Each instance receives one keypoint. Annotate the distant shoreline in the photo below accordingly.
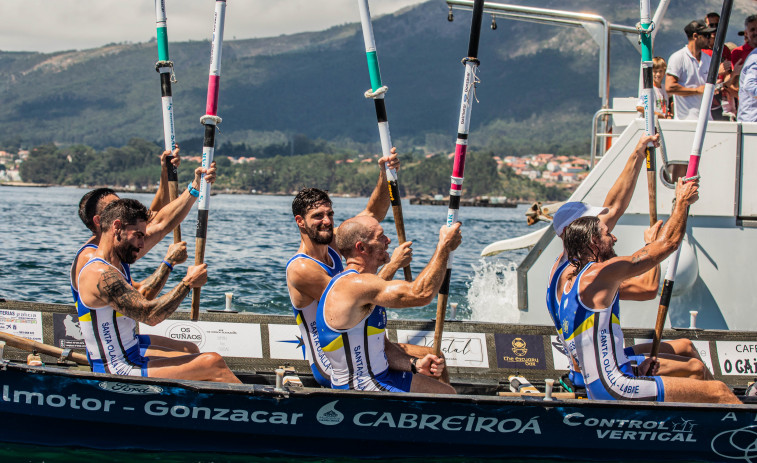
(213, 193)
(28, 184)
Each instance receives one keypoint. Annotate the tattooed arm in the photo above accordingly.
(152, 285)
(114, 290)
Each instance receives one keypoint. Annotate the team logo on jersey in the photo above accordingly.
(519, 347)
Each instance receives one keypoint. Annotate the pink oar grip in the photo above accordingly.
(211, 107)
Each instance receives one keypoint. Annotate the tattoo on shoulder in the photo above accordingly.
(117, 290)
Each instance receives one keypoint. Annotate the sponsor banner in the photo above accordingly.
(677, 429)
(560, 358)
(703, 347)
(737, 357)
(520, 351)
(66, 331)
(460, 349)
(22, 323)
(285, 342)
(227, 339)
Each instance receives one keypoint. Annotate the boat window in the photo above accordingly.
(672, 171)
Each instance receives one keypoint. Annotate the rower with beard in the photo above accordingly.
(162, 220)
(677, 357)
(110, 306)
(309, 271)
(589, 311)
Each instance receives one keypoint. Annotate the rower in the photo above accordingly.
(351, 316)
(110, 307)
(162, 221)
(317, 260)
(589, 311)
(678, 357)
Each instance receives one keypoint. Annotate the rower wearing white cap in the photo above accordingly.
(678, 357)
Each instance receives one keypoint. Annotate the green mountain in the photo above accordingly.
(538, 84)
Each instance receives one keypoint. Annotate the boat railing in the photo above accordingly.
(597, 26)
(596, 137)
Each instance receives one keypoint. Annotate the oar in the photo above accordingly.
(377, 92)
(648, 100)
(28, 345)
(693, 169)
(165, 67)
(210, 120)
(458, 170)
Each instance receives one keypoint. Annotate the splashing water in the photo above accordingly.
(492, 292)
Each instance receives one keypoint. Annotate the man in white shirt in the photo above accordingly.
(687, 72)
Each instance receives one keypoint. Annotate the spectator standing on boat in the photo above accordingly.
(309, 271)
(677, 357)
(739, 54)
(591, 301)
(162, 220)
(351, 316)
(721, 92)
(110, 307)
(748, 78)
(748, 90)
(687, 72)
(661, 99)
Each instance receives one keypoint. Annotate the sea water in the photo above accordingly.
(250, 238)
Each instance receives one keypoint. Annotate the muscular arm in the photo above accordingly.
(308, 280)
(608, 276)
(379, 202)
(174, 212)
(161, 196)
(166, 220)
(619, 196)
(355, 295)
(116, 291)
(642, 287)
(151, 286)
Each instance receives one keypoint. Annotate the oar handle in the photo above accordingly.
(28, 345)
(173, 192)
(651, 185)
(399, 220)
(662, 315)
(441, 313)
(199, 259)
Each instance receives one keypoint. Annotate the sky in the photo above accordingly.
(54, 25)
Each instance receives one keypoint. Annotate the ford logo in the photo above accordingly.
(128, 388)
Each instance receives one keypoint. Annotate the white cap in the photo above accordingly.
(573, 210)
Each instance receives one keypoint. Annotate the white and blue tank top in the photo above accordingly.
(305, 316)
(357, 355)
(110, 337)
(595, 340)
